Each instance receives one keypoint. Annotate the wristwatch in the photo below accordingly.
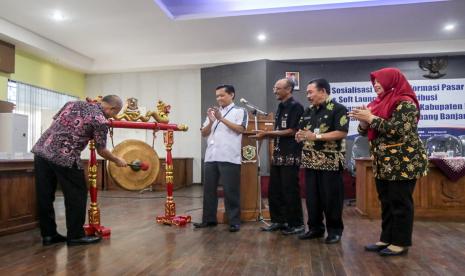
(318, 136)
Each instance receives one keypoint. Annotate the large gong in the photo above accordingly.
(128, 177)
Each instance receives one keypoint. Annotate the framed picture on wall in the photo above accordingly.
(295, 77)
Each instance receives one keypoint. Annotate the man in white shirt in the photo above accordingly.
(223, 126)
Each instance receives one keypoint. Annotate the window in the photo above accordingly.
(38, 104)
(11, 92)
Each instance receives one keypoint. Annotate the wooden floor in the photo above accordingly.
(138, 246)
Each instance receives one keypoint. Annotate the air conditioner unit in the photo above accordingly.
(13, 133)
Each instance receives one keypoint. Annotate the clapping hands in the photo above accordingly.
(214, 114)
(303, 135)
(363, 114)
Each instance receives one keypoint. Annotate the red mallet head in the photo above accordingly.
(138, 165)
(144, 166)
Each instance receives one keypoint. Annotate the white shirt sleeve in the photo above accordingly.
(206, 122)
(241, 117)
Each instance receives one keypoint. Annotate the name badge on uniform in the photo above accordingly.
(284, 121)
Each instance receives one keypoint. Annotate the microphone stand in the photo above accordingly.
(255, 112)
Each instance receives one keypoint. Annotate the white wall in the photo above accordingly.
(178, 88)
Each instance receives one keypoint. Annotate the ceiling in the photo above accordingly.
(120, 35)
(195, 9)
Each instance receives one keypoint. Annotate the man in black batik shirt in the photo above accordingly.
(323, 127)
(284, 191)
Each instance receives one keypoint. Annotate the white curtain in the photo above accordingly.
(36, 103)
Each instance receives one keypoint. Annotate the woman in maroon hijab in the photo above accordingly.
(399, 157)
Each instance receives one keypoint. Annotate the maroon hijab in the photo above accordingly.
(396, 89)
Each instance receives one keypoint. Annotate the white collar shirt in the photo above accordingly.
(223, 143)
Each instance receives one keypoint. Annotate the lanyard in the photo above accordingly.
(223, 117)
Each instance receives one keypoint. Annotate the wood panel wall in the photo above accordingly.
(435, 196)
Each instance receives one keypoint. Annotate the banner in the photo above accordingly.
(442, 104)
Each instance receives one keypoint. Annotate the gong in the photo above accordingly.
(135, 152)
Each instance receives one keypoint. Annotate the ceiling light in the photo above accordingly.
(449, 27)
(58, 16)
(261, 37)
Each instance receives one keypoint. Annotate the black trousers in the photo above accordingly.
(229, 175)
(325, 196)
(75, 194)
(284, 195)
(396, 211)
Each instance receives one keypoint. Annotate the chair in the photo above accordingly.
(444, 143)
(462, 139)
(360, 148)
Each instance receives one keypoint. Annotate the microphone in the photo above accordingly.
(253, 107)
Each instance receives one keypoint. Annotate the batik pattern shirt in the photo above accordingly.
(326, 117)
(72, 127)
(397, 151)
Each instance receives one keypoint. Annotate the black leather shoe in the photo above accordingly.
(375, 248)
(234, 228)
(205, 224)
(388, 252)
(49, 240)
(309, 235)
(273, 227)
(293, 230)
(84, 240)
(330, 239)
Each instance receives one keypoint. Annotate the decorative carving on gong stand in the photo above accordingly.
(94, 227)
(170, 217)
(131, 112)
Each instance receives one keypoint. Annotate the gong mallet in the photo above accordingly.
(138, 165)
